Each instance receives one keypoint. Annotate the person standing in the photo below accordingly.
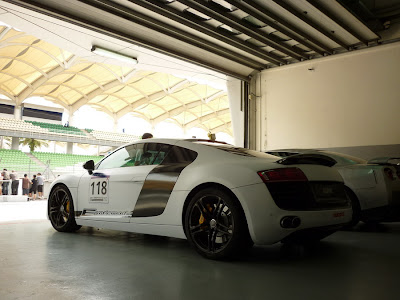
(14, 182)
(25, 185)
(1, 185)
(33, 189)
(40, 184)
(6, 176)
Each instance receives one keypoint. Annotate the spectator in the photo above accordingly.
(14, 182)
(139, 152)
(25, 185)
(40, 183)
(33, 189)
(6, 176)
(1, 178)
(147, 136)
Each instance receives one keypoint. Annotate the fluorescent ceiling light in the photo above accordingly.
(115, 55)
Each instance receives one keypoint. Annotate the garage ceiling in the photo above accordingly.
(235, 37)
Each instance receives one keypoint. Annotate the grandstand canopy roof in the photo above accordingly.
(39, 62)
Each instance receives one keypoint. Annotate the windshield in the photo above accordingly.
(346, 159)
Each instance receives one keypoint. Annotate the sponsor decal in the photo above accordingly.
(99, 175)
(106, 212)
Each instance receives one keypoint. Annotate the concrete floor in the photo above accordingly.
(37, 262)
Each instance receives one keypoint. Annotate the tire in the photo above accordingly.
(355, 204)
(215, 225)
(60, 210)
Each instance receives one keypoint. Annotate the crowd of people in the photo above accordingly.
(33, 188)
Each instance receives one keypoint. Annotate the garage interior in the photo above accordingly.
(298, 74)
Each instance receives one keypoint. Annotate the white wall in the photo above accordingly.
(350, 99)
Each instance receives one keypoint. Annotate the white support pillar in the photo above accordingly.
(70, 120)
(70, 147)
(15, 143)
(255, 112)
(18, 112)
(115, 122)
(237, 111)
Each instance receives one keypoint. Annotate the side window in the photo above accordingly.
(151, 153)
(124, 157)
(179, 155)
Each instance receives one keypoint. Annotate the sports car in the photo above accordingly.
(222, 198)
(373, 186)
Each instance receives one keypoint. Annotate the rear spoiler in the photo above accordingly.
(308, 159)
(385, 161)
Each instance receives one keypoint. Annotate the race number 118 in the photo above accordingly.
(99, 190)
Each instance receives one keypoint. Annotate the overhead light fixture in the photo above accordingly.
(114, 55)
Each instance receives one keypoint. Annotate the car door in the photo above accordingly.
(111, 192)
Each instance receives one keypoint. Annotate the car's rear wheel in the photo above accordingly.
(356, 209)
(61, 210)
(215, 224)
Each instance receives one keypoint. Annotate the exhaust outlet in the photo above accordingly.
(290, 222)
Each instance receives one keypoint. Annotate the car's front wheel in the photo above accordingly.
(215, 224)
(61, 210)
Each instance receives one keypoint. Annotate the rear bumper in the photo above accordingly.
(264, 216)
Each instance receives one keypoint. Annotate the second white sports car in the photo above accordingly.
(374, 186)
(220, 197)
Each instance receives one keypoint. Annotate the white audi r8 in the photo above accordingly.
(373, 186)
(220, 197)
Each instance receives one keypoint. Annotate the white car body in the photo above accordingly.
(134, 193)
(377, 193)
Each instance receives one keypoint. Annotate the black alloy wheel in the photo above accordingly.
(61, 210)
(215, 224)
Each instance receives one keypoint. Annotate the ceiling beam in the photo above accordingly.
(185, 19)
(337, 21)
(282, 21)
(224, 17)
(173, 32)
(311, 23)
(274, 25)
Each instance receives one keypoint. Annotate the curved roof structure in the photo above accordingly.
(33, 67)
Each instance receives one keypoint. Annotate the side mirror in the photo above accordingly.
(89, 165)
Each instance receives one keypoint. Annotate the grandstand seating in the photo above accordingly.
(58, 128)
(57, 160)
(19, 125)
(18, 161)
(114, 136)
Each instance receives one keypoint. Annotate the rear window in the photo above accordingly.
(236, 150)
(347, 159)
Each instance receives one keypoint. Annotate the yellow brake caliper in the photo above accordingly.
(67, 207)
(202, 219)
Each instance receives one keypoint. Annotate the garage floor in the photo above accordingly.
(37, 262)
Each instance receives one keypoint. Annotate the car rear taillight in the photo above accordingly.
(389, 173)
(283, 174)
